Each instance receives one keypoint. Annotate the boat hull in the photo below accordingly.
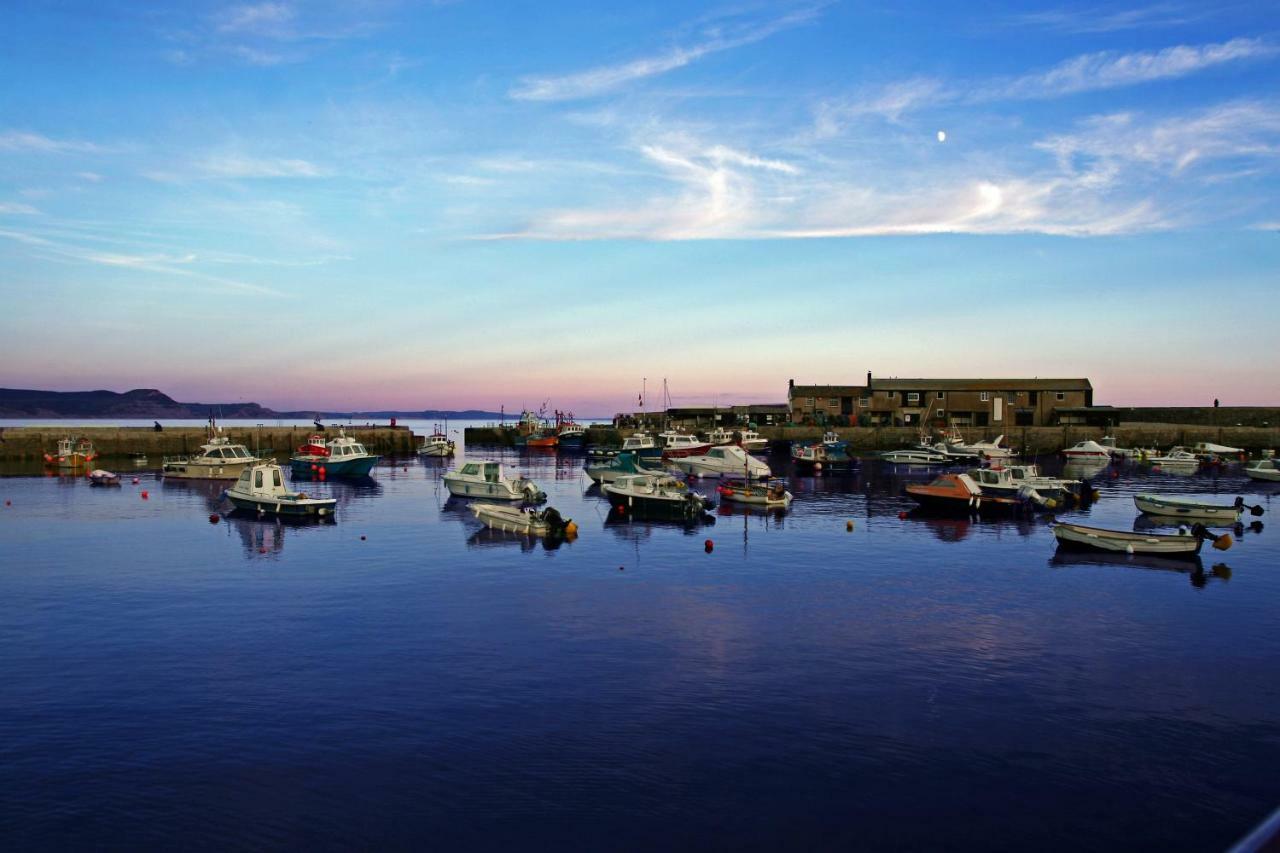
(671, 508)
(205, 470)
(1188, 510)
(307, 507)
(1119, 541)
(302, 466)
(1265, 475)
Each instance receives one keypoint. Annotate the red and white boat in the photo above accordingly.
(679, 444)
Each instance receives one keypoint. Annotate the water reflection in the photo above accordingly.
(487, 536)
(1193, 567)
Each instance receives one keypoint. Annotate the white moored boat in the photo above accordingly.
(1191, 509)
(436, 444)
(719, 437)
(1265, 470)
(914, 456)
(752, 441)
(730, 461)
(1088, 449)
(510, 519)
(1185, 543)
(655, 496)
(220, 459)
(678, 444)
(486, 479)
(988, 449)
(1176, 457)
(1209, 449)
(261, 488)
(771, 495)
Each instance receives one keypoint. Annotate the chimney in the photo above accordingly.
(868, 380)
(791, 383)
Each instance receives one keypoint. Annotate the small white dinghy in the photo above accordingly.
(1190, 509)
(772, 494)
(1185, 543)
(510, 519)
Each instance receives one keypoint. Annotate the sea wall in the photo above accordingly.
(1227, 416)
(19, 443)
(1036, 440)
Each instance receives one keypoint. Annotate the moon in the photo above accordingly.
(942, 136)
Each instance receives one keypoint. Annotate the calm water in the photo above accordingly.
(402, 678)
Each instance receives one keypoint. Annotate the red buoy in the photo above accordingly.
(262, 550)
(622, 510)
(708, 546)
(145, 495)
(215, 518)
(314, 466)
(902, 516)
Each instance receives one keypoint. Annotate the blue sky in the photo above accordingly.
(378, 204)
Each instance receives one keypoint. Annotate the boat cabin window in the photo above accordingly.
(491, 472)
(257, 479)
(358, 448)
(244, 477)
(275, 476)
(717, 453)
(471, 468)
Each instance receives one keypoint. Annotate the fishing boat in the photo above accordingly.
(1185, 543)
(219, 459)
(722, 462)
(486, 479)
(72, 453)
(99, 477)
(914, 456)
(570, 434)
(642, 444)
(821, 457)
(624, 463)
(261, 488)
(959, 493)
(436, 444)
(752, 441)
(771, 494)
(679, 445)
(510, 519)
(1087, 449)
(341, 457)
(1190, 509)
(719, 437)
(1263, 469)
(655, 496)
(1000, 482)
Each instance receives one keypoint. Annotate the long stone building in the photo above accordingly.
(940, 402)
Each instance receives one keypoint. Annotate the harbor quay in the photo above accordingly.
(27, 443)
(1032, 440)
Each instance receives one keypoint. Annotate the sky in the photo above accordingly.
(372, 204)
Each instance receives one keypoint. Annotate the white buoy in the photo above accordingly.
(1128, 549)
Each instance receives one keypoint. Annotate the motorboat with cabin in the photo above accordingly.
(724, 462)
(719, 437)
(485, 478)
(1263, 470)
(819, 457)
(1177, 457)
(341, 457)
(437, 444)
(260, 488)
(914, 456)
(1088, 450)
(656, 496)
(752, 441)
(1210, 450)
(680, 444)
(960, 493)
(641, 444)
(99, 477)
(72, 453)
(219, 459)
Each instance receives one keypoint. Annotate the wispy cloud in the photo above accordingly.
(240, 166)
(262, 19)
(1112, 174)
(607, 78)
(1109, 70)
(21, 140)
(1106, 19)
(18, 208)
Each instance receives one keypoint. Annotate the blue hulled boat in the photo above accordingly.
(341, 457)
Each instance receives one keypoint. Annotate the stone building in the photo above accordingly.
(939, 402)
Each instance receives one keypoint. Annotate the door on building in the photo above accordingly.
(1024, 417)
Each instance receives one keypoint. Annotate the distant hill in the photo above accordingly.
(139, 403)
(150, 403)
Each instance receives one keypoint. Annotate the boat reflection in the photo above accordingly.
(629, 528)
(207, 492)
(1153, 522)
(1078, 469)
(1181, 565)
(265, 535)
(487, 536)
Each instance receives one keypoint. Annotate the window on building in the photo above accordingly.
(984, 396)
(913, 397)
(942, 395)
(833, 403)
(942, 413)
(1060, 395)
(888, 394)
(808, 401)
(864, 402)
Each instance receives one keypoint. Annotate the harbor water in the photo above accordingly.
(174, 676)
